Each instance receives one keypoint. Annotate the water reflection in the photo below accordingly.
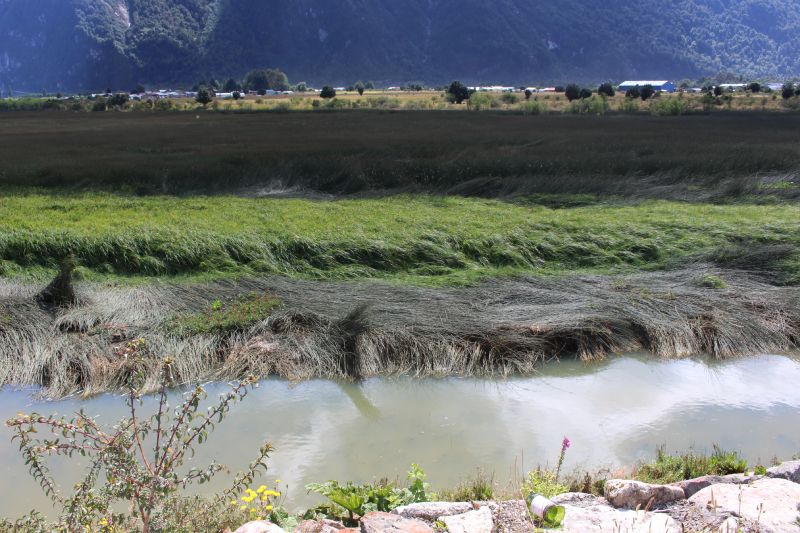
(616, 412)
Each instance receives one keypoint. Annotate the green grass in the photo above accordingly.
(236, 314)
(666, 468)
(420, 239)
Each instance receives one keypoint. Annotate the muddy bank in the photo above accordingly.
(359, 329)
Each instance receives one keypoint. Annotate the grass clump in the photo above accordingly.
(543, 482)
(666, 468)
(238, 314)
(481, 487)
(709, 281)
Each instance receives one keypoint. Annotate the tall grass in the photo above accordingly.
(344, 330)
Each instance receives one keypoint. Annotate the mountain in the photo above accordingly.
(89, 44)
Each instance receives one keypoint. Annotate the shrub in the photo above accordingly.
(459, 91)
(510, 98)
(646, 92)
(165, 104)
(629, 105)
(203, 96)
(572, 92)
(787, 91)
(221, 318)
(533, 108)
(116, 455)
(633, 92)
(585, 93)
(588, 106)
(481, 101)
(671, 106)
(528, 94)
(606, 89)
(791, 103)
(101, 104)
(327, 92)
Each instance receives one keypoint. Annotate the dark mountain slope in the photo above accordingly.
(88, 44)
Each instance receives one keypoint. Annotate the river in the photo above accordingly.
(614, 412)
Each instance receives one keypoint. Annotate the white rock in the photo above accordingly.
(477, 521)
(432, 511)
(631, 494)
(260, 526)
(789, 470)
(769, 503)
(584, 513)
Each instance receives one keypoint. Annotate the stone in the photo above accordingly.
(767, 505)
(260, 526)
(334, 524)
(378, 522)
(586, 513)
(630, 494)
(431, 511)
(477, 521)
(693, 486)
(789, 470)
(313, 526)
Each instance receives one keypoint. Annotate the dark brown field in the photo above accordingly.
(357, 151)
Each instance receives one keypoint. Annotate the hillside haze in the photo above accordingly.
(89, 44)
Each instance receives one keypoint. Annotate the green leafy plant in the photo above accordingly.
(220, 318)
(359, 500)
(147, 482)
(727, 462)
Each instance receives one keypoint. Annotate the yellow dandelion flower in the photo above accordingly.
(252, 510)
(243, 507)
(261, 489)
(263, 498)
(233, 503)
(244, 498)
(277, 481)
(269, 507)
(259, 518)
(250, 491)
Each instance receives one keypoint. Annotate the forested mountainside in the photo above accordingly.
(89, 44)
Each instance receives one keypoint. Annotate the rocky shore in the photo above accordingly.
(741, 503)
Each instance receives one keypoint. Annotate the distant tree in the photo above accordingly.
(10, 92)
(459, 91)
(231, 85)
(606, 89)
(214, 84)
(108, 90)
(369, 86)
(633, 92)
(528, 94)
(277, 80)
(327, 92)
(101, 104)
(717, 90)
(119, 99)
(754, 87)
(585, 93)
(236, 95)
(302, 87)
(797, 91)
(203, 96)
(257, 80)
(685, 83)
(59, 95)
(350, 88)
(360, 88)
(646, 92)
(572, 92)
(787, 91)
(140, 89)
(560, 89)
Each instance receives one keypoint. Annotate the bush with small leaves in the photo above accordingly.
(327, 92)
(572, 92)
(120, 470)
(646, 92)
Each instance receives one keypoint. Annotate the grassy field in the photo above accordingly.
(420, 239)
(397, 242)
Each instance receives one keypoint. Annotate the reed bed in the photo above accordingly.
(360, 329)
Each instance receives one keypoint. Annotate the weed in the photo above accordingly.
(543, 482)
(237, 315)
(667, 468)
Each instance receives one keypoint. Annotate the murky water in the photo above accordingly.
(616, 412)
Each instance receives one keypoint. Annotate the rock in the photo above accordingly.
(432, 511)
(693, 486)
(630, 494)
(334, 524)
(477, 521)
(768, 505)
(586, 513)
(260, 526)
(312, 526)
(789, 470)
(378, 522)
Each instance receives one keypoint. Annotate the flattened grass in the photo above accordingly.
(409, 238)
